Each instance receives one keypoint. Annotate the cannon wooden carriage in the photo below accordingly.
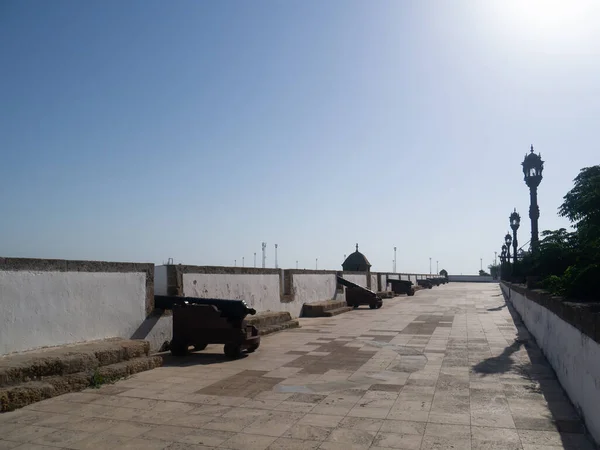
(438, 280)
(203, 321)
(426, 283)
(357, 295)
(401, 286)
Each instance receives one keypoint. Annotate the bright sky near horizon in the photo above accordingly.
(144, 130)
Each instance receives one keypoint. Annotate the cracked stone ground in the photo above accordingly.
(450, 368)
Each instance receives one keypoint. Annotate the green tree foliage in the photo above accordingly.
(582, 205)
(483, 273)
(444, 273)
(569, 262)
(494, 271)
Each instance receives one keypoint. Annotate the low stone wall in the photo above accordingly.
(310, 287)
(46, 303)
(569, 335)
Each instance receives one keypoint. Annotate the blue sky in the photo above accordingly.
(143, 130)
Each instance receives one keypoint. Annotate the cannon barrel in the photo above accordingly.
(237, 309)
(351, 285)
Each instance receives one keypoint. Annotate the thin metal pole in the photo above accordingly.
(276, 256)
(254, 259)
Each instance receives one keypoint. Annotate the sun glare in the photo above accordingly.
(550, 22)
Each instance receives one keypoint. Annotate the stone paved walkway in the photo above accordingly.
(449, 368)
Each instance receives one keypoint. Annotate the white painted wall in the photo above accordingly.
(260, 291)
(43, 309)
(374, 287)
(360, 279)
(160, 280)
(161, 332)
(310, 288)
(574, 357)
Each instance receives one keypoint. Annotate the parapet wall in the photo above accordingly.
(46, 303)
(569, 336)
(264, 289)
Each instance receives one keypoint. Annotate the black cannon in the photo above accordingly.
(357, 295)
(203, 321)
(434, 281)
(401, 286)
(438, 280)
(425, 283)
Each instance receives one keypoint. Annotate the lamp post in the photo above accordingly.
(255, 259)
(515, 221)
(276, 256)
(502, 261)
(507, 241)
(430, 266)
(532, 169)
(437, 267)
(394, 259)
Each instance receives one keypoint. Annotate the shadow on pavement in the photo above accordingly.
(497, 308)
(534, 381)
(196, 359)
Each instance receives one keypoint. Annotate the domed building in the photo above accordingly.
(356, 262)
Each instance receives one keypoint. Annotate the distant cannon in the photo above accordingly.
(402, 286)
(357, 295)
(203, 321)
(426, 283)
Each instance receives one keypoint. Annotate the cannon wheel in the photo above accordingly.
(411, 293)
(232, 350)
(253, 348)
(379, 305)
(179, 348)
(372, 306)
(200, 346)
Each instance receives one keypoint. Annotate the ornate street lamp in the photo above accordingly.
(515, 221)
(507, 241)
(532, 169)
(502, 262)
